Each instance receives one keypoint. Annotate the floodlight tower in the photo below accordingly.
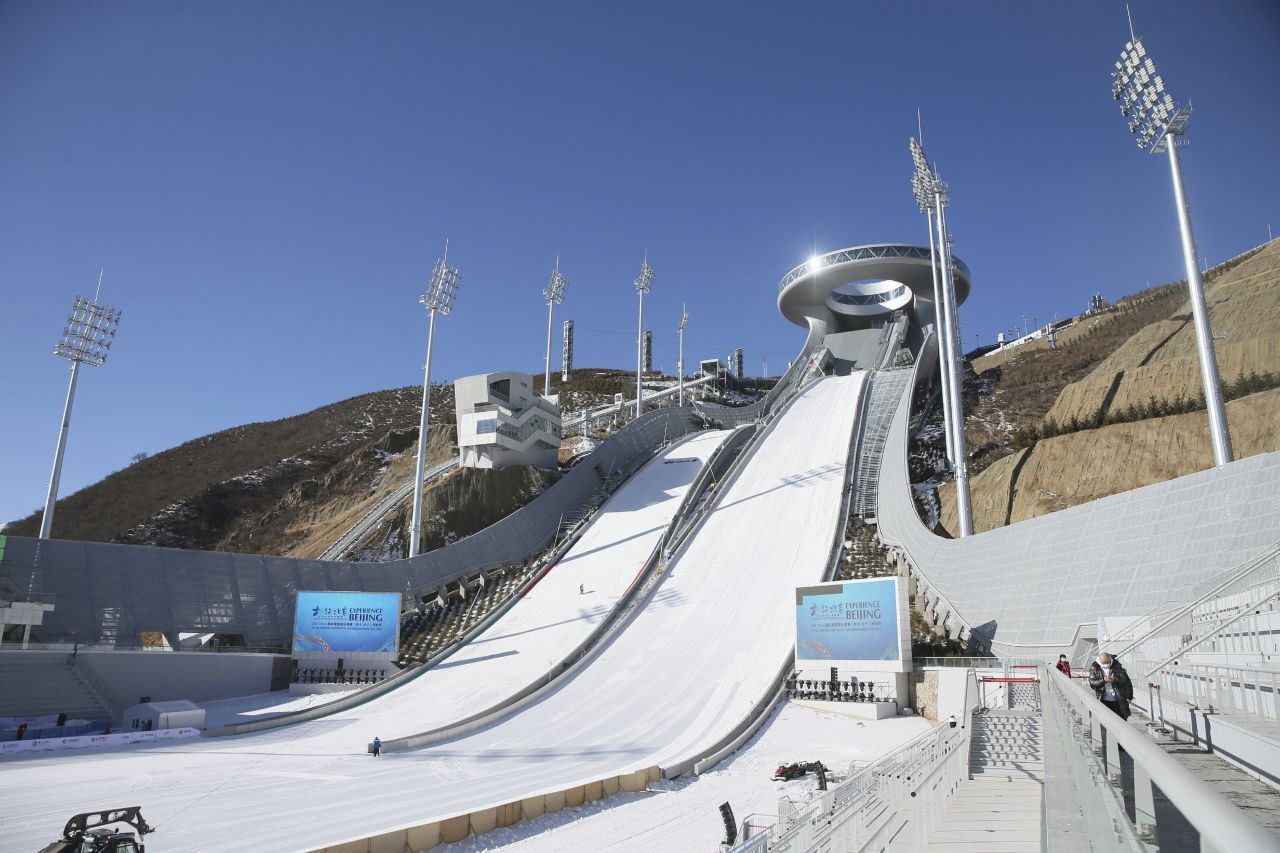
(441, 290)
(928, 181)
(1159, 124)
(644, 284)
(554, 294)
(922, 183)
(684, 321)
(90, 329)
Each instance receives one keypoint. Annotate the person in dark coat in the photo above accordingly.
(377, 747)
(1111, 684)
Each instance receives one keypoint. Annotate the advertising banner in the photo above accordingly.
(347, 622)
(854, 621)
(86, 741)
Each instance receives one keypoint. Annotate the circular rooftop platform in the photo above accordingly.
(849, 287)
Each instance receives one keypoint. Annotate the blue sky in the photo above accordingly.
(267, 185)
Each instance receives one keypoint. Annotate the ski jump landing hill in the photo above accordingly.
(688, 670)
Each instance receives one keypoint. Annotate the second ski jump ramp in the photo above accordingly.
(680, 676)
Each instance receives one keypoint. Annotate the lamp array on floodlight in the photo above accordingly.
(89, 332)
(86, 339)
(1153, 113)
(442, 288)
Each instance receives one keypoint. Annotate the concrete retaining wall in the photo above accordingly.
(430, 834)
(198, 676)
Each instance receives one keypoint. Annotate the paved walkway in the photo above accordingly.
(1258, 799)
(985, 816)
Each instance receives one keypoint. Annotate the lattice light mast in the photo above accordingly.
(1159, 123)
(927, 179)
(554, 294)
(644, 284)
(684, 321)
(91, 328)
(441, 291)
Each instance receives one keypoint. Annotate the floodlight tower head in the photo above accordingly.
(554, 291)
(1153, 114)
(922, 180)
(442, 289)
(90, 330)
(644, 283)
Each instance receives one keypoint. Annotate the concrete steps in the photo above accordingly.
(985, 815)
(1007, 745)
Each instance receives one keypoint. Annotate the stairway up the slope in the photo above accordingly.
(1007, 745)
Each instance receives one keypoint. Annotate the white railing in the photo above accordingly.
(910, 785)
(1259, 569)
(1101, 735)
(1221, 650)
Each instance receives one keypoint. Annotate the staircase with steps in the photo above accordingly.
(1000, 807)
(1007, 745)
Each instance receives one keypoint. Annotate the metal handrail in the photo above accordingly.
(1221, 824)
(895, 777)
(1239, 573)
(1243, 614)
(863, 253)
(1096, 649)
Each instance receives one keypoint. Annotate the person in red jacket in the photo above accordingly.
(1063, 665)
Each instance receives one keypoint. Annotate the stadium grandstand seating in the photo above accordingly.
(453, 611)
(39, 684)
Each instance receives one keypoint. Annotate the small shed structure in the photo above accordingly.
(177, 714)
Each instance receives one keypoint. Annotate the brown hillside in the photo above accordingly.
(1161, 362)
(290, 486)
(1057, 473)
(308, 444)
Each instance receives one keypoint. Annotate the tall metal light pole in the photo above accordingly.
(928, 181)
(90, 329)
(1159, 123)
(554, 294)
(438, 299)
(922, 187)
(684, 321)
(644, 284)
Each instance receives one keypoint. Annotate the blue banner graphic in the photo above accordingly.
(347, 622)
(852, 621)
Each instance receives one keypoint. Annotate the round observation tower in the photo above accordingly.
(861, 287)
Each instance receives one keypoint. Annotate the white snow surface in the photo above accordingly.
(678, 678)
(550, 620)
(683, 814)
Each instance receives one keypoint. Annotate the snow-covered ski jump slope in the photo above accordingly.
(676, 680)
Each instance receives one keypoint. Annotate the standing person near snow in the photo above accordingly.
(377, 747)
(1111, 684)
